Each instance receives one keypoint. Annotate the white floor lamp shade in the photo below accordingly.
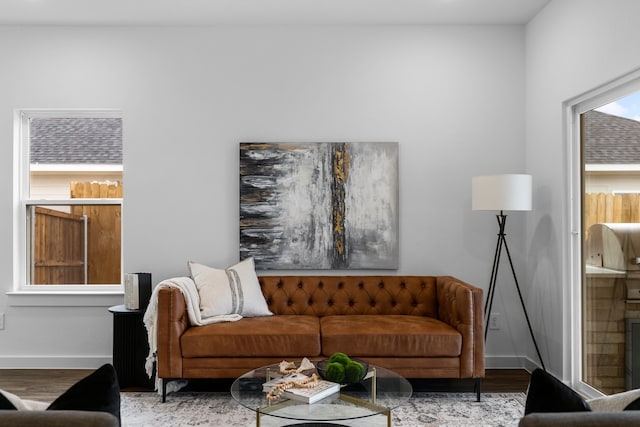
(509, 192)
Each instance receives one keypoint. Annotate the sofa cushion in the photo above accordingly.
(581, 419)
(389, 335)
(272, 336)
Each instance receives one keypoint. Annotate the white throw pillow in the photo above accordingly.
(235, 290)
(24, 404)
(614, 402)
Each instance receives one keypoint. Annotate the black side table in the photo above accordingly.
(130, 347)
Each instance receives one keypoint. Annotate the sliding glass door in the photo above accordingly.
(610, 230)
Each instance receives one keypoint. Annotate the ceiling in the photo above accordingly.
(189, 12)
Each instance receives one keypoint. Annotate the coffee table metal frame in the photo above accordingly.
(371, 403)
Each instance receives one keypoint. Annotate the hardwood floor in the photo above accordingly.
(47, 384)
(40, 384)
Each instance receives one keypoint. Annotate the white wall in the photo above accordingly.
(572, 46)
(453, 97)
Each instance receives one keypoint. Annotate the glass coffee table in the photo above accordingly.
(379, 393)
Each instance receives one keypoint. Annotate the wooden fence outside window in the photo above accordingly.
(607, 207)
(59, 239)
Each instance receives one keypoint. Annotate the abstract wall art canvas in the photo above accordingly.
(319, 205)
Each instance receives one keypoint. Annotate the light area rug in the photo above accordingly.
(140, 409)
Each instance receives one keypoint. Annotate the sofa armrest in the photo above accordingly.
(460, 305)
(582, 419)
(10, 418)
(173, 321)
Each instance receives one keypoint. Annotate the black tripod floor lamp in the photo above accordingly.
(510, 192)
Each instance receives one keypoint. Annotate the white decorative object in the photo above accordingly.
(234, 290)
(305, 365)
(137, 290)
(311, 382)
(290, 367)
(295, 376)
(287, 367)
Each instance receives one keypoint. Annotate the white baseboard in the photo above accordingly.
(53, 362)
(510, 362)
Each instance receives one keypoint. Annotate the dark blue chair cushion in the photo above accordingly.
(99, 391)
(548, 394)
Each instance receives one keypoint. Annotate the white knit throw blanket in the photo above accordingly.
(188, 288)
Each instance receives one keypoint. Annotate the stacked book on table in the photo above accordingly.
(309, 395)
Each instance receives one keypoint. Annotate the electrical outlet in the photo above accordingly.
(494, 321)
(1, 321)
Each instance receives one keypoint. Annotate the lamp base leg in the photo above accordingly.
(502, 242)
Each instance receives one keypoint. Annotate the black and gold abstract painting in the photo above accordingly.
(319, 205)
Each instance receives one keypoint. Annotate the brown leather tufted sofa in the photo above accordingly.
(418, 326)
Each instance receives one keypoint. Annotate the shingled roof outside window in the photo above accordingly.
(610, 139)
(76, 141)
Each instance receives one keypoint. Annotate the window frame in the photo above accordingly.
(573, 221)
(23, 202)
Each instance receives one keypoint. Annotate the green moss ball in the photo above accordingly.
(353, 371)
(335, 372)
(339, 358)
